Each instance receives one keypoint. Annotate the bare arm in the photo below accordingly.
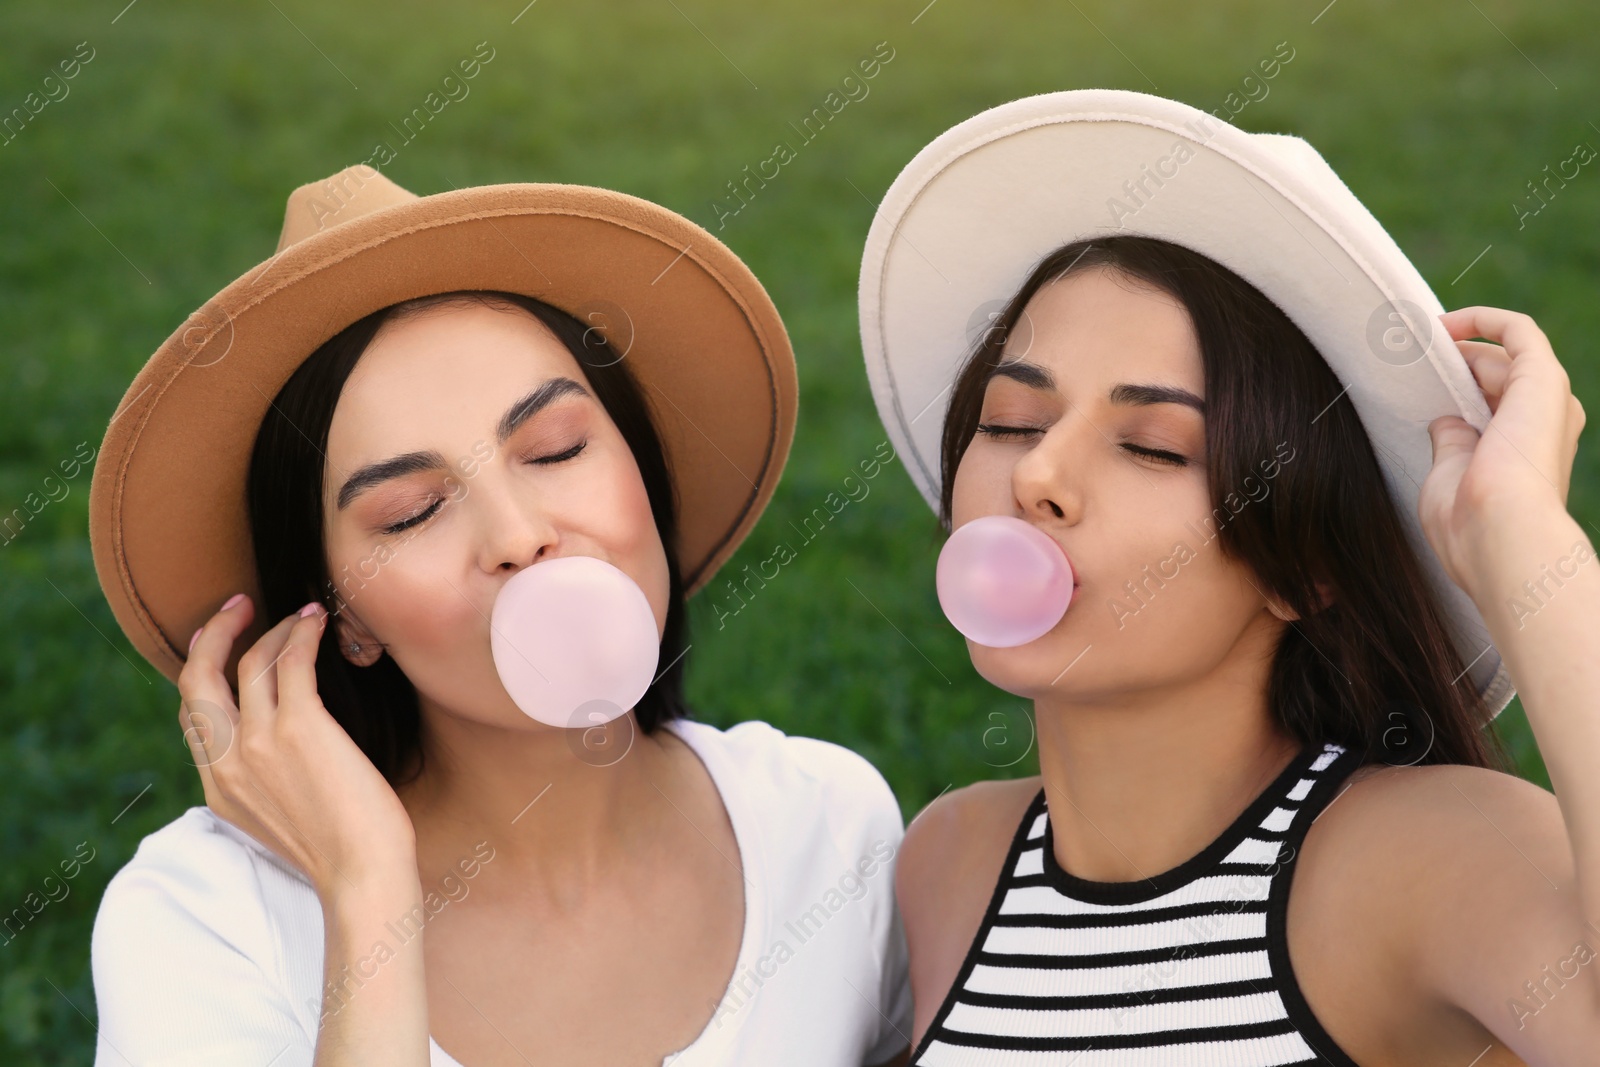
(277, 765)
(375, 998)
(1554, 655)
(1494, 508)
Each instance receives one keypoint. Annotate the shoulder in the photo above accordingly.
(793, 772)
(756, 742)
(949, 865)
(195, 881)
(205, 940)
(954, 847)
(1439, 821)
(192, 859)
(824, 832)
(1464, 875)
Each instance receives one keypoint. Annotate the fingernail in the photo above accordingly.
(232, 601)
(309, 609)
(195, 638)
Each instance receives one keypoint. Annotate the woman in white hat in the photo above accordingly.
(1315, 529)
(414, 402)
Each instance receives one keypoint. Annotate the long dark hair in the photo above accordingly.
(377, 705)
(1375, 669)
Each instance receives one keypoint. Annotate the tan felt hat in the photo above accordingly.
(168, 513)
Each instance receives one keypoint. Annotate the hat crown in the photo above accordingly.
(351, 193)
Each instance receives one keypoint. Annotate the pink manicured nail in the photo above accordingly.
(234, 599)
(309, 609)
(195, 638)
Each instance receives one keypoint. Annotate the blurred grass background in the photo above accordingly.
(162, 174)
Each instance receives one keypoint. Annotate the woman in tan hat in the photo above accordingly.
(326, 477)
(1314, 530)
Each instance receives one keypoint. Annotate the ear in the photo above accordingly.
(349, 631)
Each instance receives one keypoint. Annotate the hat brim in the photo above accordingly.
(169, 522)
(969, 218)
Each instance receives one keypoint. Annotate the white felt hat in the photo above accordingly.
(970, 217)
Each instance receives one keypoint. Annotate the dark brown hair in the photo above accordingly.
(1375, 669)
(377, 705)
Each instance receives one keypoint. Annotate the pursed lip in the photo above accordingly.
(1075, 582)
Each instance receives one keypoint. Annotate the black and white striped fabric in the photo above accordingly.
(1189, 968)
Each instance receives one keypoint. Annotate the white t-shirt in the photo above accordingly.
(208, 948)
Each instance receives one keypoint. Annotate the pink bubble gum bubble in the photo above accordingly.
(1003, 582)
(574, 641)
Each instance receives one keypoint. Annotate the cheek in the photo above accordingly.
(1148, 612)
(436, 636)
(1176, 610)
(651, 555)
(392, 586)
(625, 525)
(409, 601)
(982, 484)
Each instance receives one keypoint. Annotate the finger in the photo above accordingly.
(258, 675)
(1516, 331)
(1545, 388)
(1521, 337)
(1490, 366)
(297, 664)
(215, 639)
(208, 714)
(1452, 436)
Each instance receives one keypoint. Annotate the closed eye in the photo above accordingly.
(1003, 433)
(1156, 455)
(562, 455)
(423, 516)
(400, 527)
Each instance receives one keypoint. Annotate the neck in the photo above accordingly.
(1138, 786)
(559, 816)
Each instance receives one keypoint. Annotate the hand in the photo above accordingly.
(279, 767)
(1518, 471)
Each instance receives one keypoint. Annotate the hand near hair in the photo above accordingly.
(280, 768)
(1519, 469)
(1494, 509)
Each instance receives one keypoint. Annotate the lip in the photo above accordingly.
(1063, 550)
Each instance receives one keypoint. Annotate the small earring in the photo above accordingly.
(355, 649)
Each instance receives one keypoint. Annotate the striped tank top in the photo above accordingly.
(1188, 968)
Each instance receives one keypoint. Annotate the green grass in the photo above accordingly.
(163, 174)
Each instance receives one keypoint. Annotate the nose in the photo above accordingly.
(513, 528)
(1046, 479)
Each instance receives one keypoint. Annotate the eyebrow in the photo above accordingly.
(1127, 393)
(518, 413)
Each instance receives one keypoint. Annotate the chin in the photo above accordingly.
(1028, 670)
